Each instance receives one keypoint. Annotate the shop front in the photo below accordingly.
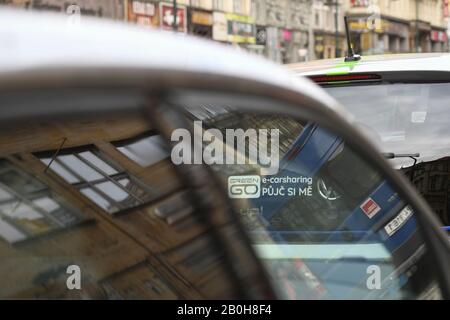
(169, 20)
(439, 40)
(241, 30)
(420, 33)
(201, 23)
(325, 45)
(379, 37)
(142, 13)
(220, 26)
(99, 8)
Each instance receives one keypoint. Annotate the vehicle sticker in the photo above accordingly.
(395, 224)
(370, 208)
(244, 187)
(418, 116)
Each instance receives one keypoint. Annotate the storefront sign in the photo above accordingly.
(98, 9)
(143, 8)
(261, 35)
(287, 35)
(360, 3)
(241, 29)
(438, 36)
(363, 25)
(167, 17)
(201, 17)
(220, 26)
(143, 13)
(318, 43)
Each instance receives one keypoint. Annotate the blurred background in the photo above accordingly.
(285, 31)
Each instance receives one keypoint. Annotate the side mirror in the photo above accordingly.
(324, 212)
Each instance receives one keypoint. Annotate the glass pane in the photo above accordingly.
(326, 224)
(5, 195)
(18, 182)
(9, 233)
(47, 204)
(146, 151)
(97, 162)
(410, 122)
(106, 194)
(98, 199)
(80, 168)
(32, 209)
(62, 172)
(113, 191)
(19, 210)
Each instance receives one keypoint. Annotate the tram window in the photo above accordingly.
(28, 208)
(108, 186)
(144, 151)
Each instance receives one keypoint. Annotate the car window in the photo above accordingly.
(401, 118)
(101, 196)
(325, 223)
(411, 121)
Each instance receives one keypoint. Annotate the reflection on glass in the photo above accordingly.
(408, 119)
(326, 221)
(402, 118)
(75, 164)
(28, 208)
(108, 186)
(146, 151)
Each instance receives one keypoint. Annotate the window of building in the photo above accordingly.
(144, 151)
(110, 187)
(29, 208)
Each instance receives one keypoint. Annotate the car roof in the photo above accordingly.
(375, 63)
(41, 41)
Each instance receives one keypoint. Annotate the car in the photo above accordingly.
(136, 164)
(400, 102)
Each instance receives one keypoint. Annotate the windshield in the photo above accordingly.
(402, 118)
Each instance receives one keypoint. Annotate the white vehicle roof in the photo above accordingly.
(376, 63)
(40, 41)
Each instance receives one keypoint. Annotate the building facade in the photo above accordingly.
(285, 31)
(112, 9)
(382, 26)
(327, 30)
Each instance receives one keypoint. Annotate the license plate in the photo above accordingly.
(396, 223)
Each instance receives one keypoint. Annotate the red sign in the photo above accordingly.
(445, 4)
(167, 17)
(287, 35)
(440, 36)
(370, 208)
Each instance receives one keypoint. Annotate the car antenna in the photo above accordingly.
(351, 56)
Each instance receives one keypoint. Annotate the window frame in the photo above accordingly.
(83, 183)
